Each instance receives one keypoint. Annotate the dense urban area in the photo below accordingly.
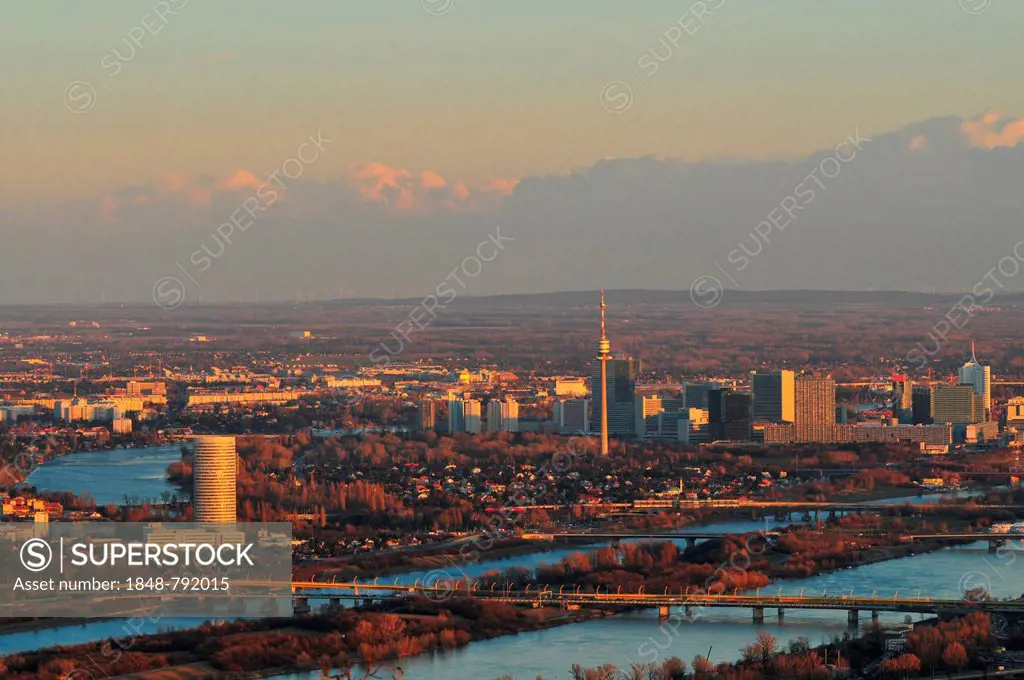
(459, 456)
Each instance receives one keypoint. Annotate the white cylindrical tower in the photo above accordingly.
(214, 473)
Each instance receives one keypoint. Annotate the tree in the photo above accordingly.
(606, 672)
(800, 645)
(926, 643)
(902, 666)
(702, 666)
(954, 655)
(911, 663)
(674, 668)
(762, 649)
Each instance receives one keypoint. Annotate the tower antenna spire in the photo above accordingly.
(605, 337)
(974, 357)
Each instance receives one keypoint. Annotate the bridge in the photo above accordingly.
(809, 505)
(994, 539)
(966, 536)
(575, 599)
(691, 537)
(743, 504)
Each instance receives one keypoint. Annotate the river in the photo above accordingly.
(619, 639)
(110, 475)
(637, 637)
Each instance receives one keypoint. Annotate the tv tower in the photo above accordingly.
(603, 355)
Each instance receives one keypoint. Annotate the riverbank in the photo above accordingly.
(639, 636)
(428, 558)
(624, 637)
(27, 625)
(428, 626)
(336, 638)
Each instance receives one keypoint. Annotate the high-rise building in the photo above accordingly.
(667, 419)
(729, 415)
(214, 476)
(773, 396)
(620, 386)
(979, 377)
(645, 412)
(572, 416)
(473, 416)
(428, 415)
(814, 417)
(902, 399)
(1015, 412)
(456, 415)
(957, 404)
(503, 416)
(902, 392)
(696, 394)
(921, 404)
(692, 426)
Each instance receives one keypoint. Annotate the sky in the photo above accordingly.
(131, 131)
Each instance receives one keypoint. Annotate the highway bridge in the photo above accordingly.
(995, 539)
(691, 537)
(688, 600)
(977, 536)
(741, 504)
(704, 535)
(860, 506)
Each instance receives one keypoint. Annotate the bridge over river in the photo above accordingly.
(995, 539)
(688, 600)
(781, 508)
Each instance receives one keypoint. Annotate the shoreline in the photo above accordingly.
(46, 624)
(549, 617)
(435, 557)
(565, 618)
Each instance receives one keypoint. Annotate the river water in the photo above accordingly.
(109, 476)
(640, 637)
(622, 639)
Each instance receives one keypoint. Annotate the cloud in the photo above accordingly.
(923, 207)
(170, 191)
(992, 130)
(241, 179)
(426, 191)
(200, 199)
(394, 189)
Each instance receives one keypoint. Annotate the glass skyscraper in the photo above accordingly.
(622, 375)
